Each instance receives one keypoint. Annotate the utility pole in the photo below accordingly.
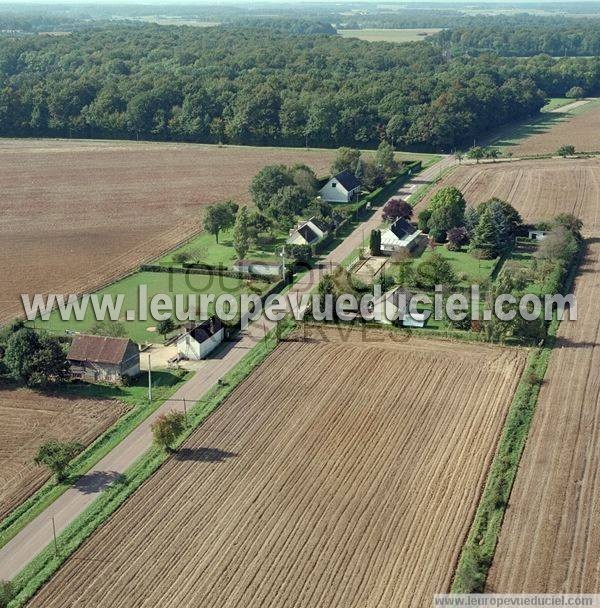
(149, 380)
(185, 411)
(54, 536)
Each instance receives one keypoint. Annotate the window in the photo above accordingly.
(333, 185)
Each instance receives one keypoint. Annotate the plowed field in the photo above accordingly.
(75, 215)
(538, 189)
(27, 420)
(340, 474)
(550, 540)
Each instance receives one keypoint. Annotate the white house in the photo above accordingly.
(200, 340)
(308, 233)
(393, 308)
(341, 188)
(400, 236)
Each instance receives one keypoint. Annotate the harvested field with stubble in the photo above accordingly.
(552, 130)
(342, 473)
(75, 215)
(539, 190)
(550, 540)
(28, 419)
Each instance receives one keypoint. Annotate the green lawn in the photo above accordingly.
(223, 253)
(156, 283)
(469, 269)
(556, 102)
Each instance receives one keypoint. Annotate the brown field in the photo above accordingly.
(538, 189)
(27, 419)
(340, 474)
(556, 129)
(75, 215)
(550, 540)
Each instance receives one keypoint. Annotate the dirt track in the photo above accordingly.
(338, 475)
(538, 189)
(27, 419)
(550, 539)
(75, 215)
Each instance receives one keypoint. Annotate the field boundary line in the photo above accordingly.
(480, 543)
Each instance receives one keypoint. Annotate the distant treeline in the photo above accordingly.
(579, 38)
(262, 86)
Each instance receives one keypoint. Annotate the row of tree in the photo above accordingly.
(262, 86)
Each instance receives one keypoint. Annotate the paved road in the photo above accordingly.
(16, 554)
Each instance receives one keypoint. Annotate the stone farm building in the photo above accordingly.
(102, 359)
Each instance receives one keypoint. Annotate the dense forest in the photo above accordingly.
(578, 38)
(260, 86)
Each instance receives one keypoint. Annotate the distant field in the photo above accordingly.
(328, 478)
(538, 189)
(75, 215)
(384, 35)
(27, 419)
(560, 124)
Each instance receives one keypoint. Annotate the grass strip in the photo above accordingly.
(480, 545)
(420, 193)
(46, 563)
(11, 525)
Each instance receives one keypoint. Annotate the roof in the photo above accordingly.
(307, 233)
(401, 228)
(207, 329)
(319, 223)
(348, 180)
(98, 349)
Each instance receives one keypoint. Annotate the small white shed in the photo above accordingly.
(200, 340)
(537, 235)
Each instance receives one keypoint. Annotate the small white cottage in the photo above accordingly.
(400, 236)
(308, 233)
(200, 340)
(341, 188)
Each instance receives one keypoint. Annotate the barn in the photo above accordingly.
(103, 359)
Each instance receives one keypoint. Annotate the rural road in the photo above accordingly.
(17, 553)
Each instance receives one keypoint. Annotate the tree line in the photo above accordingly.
(262, 86)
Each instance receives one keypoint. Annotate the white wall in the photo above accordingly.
(334, 194)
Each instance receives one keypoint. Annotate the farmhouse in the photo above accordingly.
(259, 267)
(308, 233)
(341, 188)
(400, 236)
(393, 308)
(102, 359)
(200, 340)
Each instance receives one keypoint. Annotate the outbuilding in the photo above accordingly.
(200, 340)
(103, 359)
(259, 267)
(341, 188)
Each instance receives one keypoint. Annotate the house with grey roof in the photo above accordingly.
(341, 188)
